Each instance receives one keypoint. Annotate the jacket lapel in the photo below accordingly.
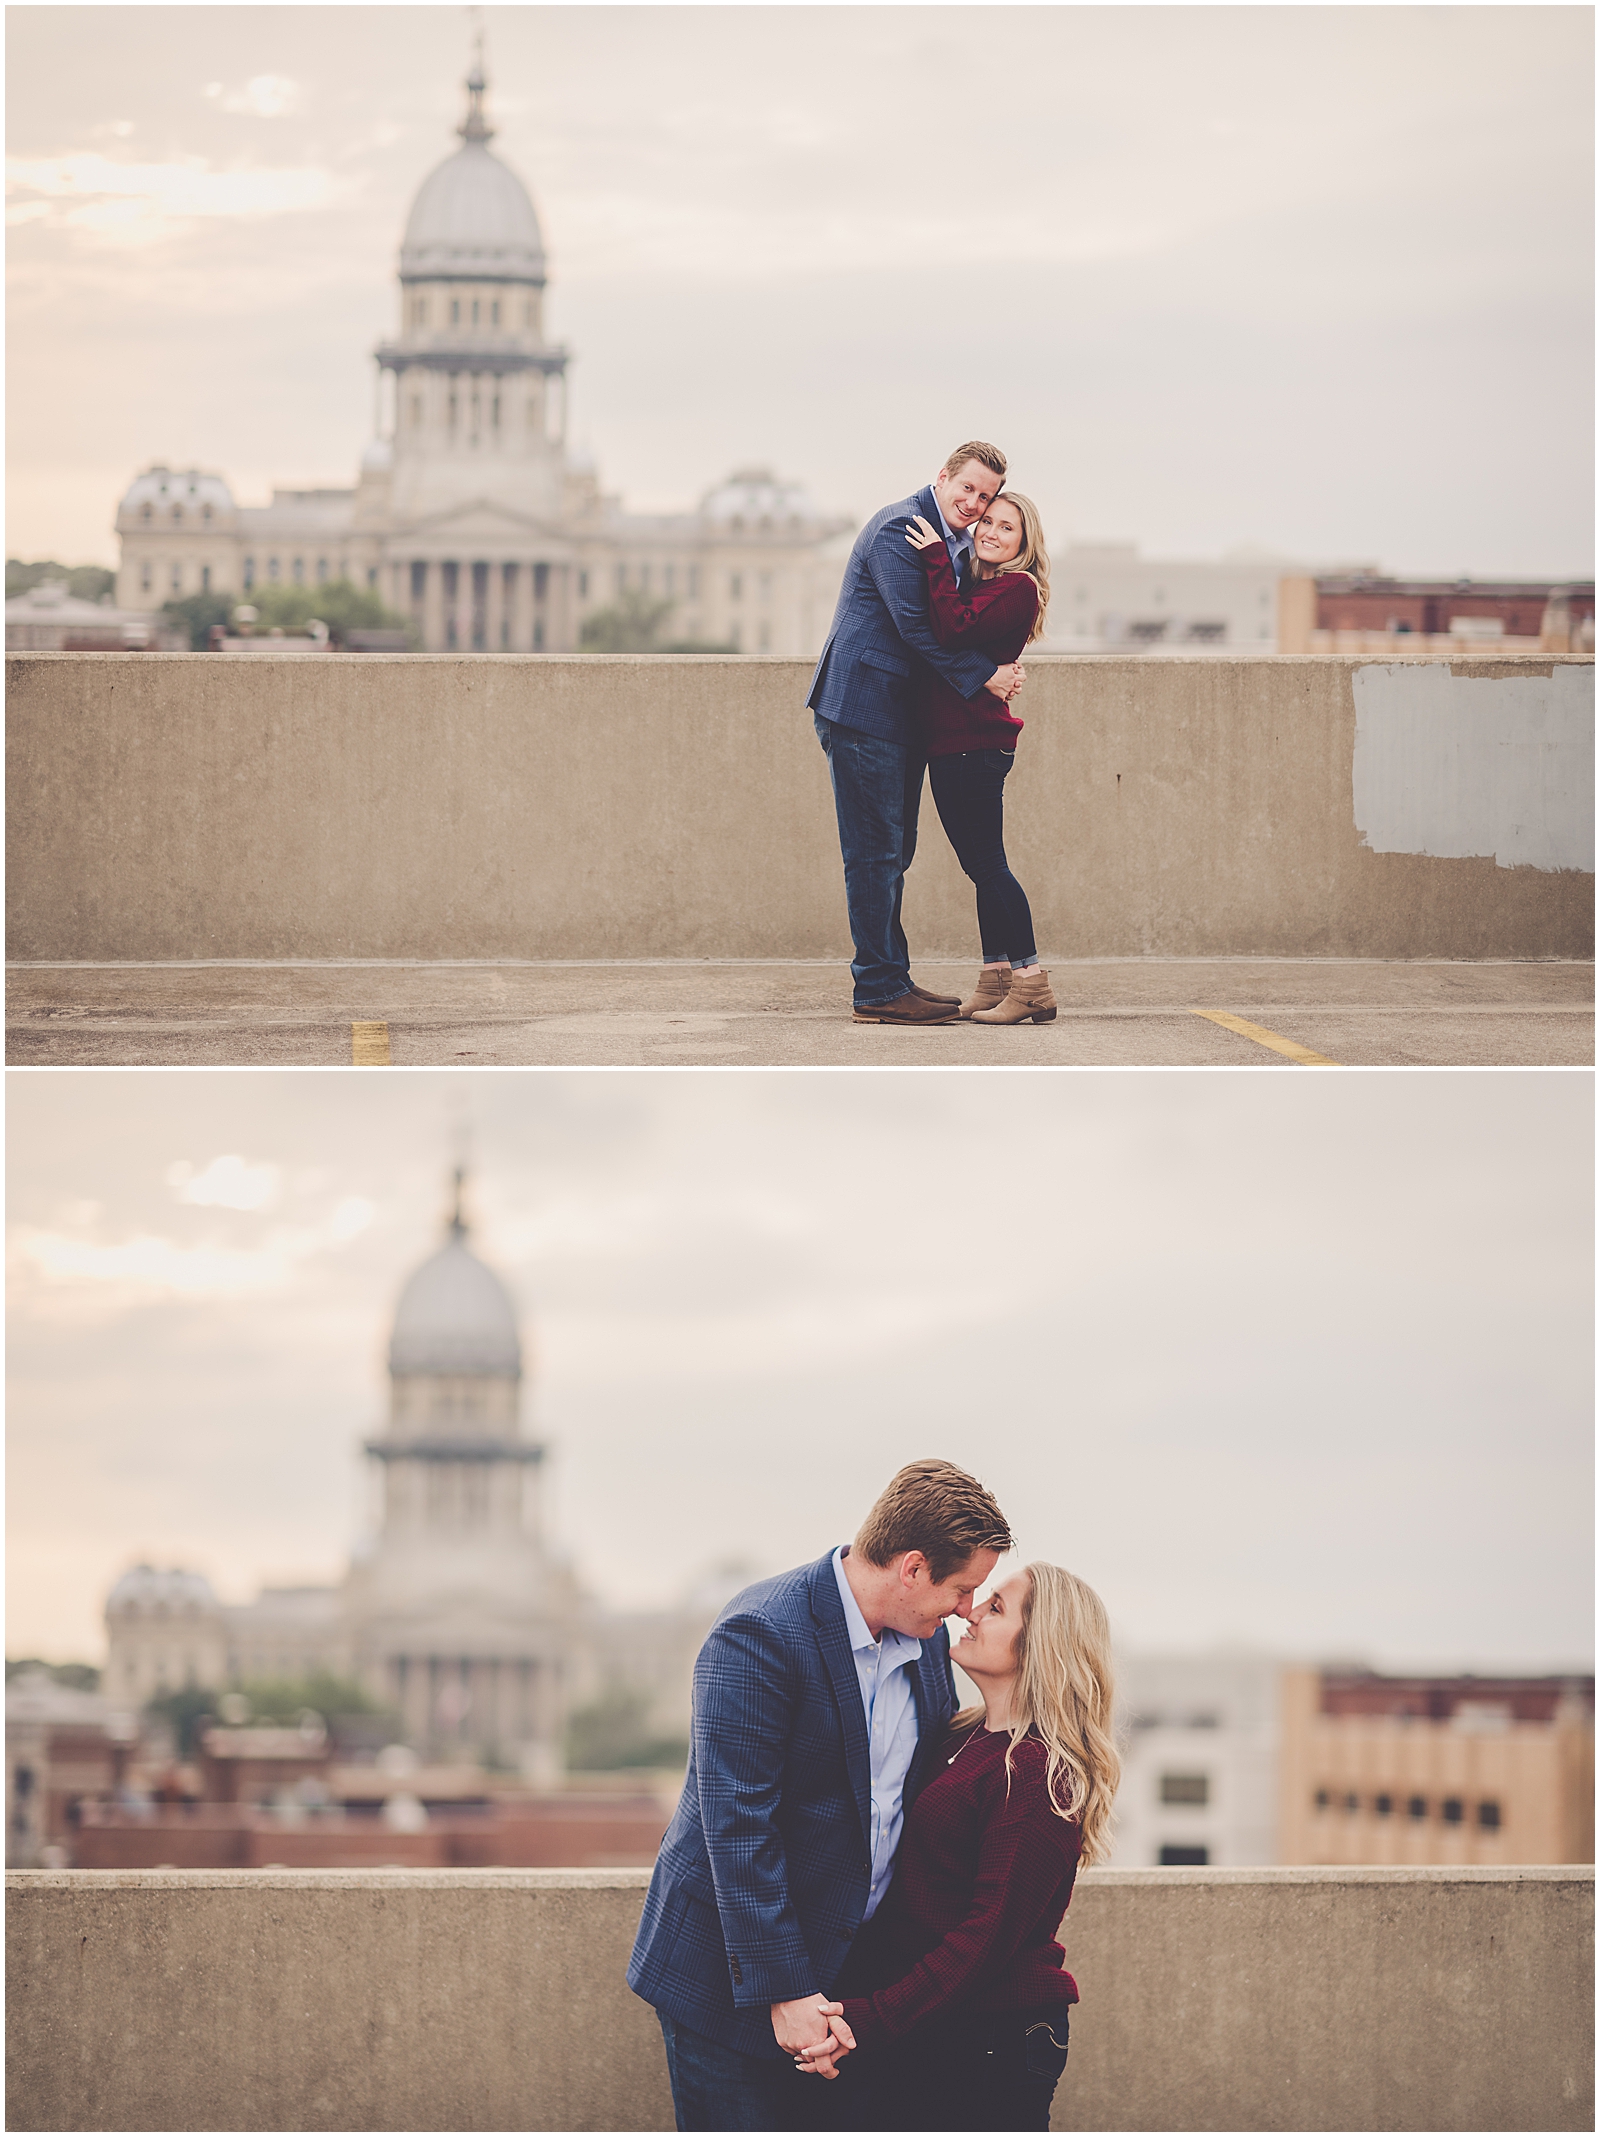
(833, 1639)
(931, 1690)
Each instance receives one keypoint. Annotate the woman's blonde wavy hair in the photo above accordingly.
(1031, 557)
(1062, 1694)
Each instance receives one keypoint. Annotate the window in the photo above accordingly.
(474, 311)
(205, 578)
(144, 512)
(1352, 1801)
(1383, 1805)
(144, 580)
(583, 584)
(494, 313)
(735, 585)
(249, 573)
(205, 511)
(177, 578)
(1452, 1810)
(372, 574)
(1321, 1799)
(299, 571)
(1416, 1806)
(1489, 1817)
(455, 311)
(451, 409)
(177, 515)
(1173, 1858)
(494, 413)
(1185, 1788)
(322, 571)
(272, 569)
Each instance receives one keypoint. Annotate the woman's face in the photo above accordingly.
(999, 533)
(988, 1648)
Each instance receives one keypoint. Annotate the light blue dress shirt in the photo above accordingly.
(883, 1669)
(959, 545)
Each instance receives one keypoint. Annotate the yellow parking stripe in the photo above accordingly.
(369, 1046)
(1302, 1054)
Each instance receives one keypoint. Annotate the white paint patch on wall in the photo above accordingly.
(1466, 766)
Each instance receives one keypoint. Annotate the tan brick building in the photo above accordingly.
(1448, 1770)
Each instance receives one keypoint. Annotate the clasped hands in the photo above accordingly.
(813, 2031)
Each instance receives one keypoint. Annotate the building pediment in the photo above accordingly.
(478, 519)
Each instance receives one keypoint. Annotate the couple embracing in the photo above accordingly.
(852, 1921)
(941, 594)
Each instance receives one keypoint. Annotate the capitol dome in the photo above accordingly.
(153, 1592)
(455, 1315)
(472, 218)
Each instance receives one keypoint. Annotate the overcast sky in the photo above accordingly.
(1312, 279)
(1301, 1362)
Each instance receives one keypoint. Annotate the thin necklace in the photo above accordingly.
(977, 1729)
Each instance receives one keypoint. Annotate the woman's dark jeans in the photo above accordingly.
(956, 2073)
(968, 791)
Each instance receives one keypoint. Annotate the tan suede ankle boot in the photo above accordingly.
(1028, 996)
(993, 980)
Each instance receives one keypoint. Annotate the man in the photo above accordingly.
(819, 1698)
(861, 697)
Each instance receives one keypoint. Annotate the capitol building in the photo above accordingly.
(458, 1617)
(470, 516)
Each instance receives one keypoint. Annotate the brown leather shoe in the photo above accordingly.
(993, 980)
(1028, 996)
(910, 1008)
(927, 994)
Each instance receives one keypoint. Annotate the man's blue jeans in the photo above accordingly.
(877, 789)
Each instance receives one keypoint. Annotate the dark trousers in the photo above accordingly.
(877, 790)
(968, 791)
(956, 2073)
(717, 2088)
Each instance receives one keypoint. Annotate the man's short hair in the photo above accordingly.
(937, 1509)
(989, 456)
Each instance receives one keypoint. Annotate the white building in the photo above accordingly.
(469, 515)
(1199, 1738)
(1105, 597)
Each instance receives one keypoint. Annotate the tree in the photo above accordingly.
(342, 606)
(196, 613)
(85, 582)
(634, 623)
(612, 1733)
(75, 1676)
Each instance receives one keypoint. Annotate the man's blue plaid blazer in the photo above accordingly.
(762, 1879)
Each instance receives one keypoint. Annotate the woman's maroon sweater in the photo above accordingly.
(983, 1880)
(993, 616)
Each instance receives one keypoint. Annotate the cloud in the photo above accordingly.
(137, 202)
(148, 1266)
(264, 96)
(226, 1183)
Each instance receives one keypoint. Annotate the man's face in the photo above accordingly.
(967, 494)
(922, 1604)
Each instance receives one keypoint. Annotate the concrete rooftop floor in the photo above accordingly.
(1114, 1013)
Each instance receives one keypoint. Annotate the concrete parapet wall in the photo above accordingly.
(589, 807)
(495, 1999)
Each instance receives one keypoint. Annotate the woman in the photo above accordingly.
(971, 743)
(962, 1996)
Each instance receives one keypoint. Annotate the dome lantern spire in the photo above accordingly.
(475, 126)
(458, 1223)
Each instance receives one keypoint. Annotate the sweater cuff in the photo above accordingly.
(864, 2022)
